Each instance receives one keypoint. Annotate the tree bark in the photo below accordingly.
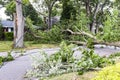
(117, 44)
(93, 26)
(19, 26)
(95, 40)
(82, 33)
(49, 18)
(15, 29)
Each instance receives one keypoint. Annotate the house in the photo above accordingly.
(54, 20)
(7, 25)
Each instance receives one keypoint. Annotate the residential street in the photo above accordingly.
(15, 70)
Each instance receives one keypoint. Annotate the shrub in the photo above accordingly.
(109, 73)
(9, 36)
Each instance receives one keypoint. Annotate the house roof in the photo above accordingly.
(6, 23)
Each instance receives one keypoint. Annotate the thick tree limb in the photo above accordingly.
(96, 41)
(78, 42)
(36, 36)
(82, 33)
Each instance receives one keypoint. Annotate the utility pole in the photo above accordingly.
(18, 26)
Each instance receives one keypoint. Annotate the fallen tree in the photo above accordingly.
(95, 40)
(116, 44)
(82, 33)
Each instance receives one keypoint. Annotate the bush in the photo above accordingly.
(109, 73)
(9, 36)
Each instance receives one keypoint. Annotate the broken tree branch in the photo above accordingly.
(95, 40)
(117, 44)
(82, 33)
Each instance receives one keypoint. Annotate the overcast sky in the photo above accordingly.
(2, 14)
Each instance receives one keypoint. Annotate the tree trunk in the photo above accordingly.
(15, 29)
(19, 26)
(49, 18)
(93, 26)
(88, 11)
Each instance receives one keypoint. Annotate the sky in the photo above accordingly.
(2, 14)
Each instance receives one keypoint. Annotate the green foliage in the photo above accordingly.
(114, 55)
(90, 44)
(9, 57)
(28, 10)
(65, 53)
(9, 36)
(109, 73)
(29, 37)
(68, 10)
(10, 9)
(55, 64)
(63, 61)
(31, 30)
(54, 35)
(1, 60)
(91, 60)
(111, 28)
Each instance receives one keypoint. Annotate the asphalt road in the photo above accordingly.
(15, 70)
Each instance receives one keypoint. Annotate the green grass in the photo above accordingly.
(7, 45)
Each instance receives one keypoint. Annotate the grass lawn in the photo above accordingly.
(7, 45)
